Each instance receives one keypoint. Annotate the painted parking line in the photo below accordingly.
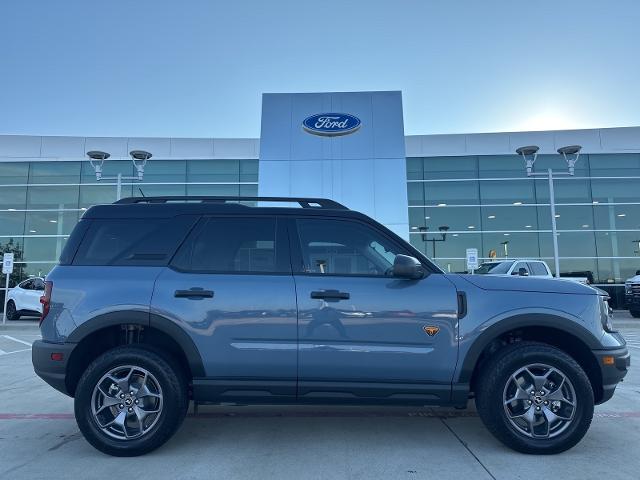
(14, 351)
(215, 415)
(9, 337)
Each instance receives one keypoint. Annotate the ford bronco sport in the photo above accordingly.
(159, 301)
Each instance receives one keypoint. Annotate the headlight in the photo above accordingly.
(627, 288)
(605, 314)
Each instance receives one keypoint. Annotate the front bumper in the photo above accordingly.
(54, 372)
(612, 372)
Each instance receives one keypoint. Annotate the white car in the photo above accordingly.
(521, 267)
(24, 299)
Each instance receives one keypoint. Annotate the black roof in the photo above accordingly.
(164, 207)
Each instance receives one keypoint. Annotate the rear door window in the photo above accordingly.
(235, 245)
(538, 269)
(135, 242)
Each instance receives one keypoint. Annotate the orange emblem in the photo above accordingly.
(431, 330)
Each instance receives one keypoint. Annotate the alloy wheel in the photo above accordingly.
(127, 402)
(539, 401)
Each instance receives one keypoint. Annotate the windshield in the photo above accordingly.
(494, 268)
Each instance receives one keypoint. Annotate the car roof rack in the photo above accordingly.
(303, 202)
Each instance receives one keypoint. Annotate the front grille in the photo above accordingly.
(635, 289)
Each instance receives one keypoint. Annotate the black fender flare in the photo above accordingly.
(145, 319)
(515, 322)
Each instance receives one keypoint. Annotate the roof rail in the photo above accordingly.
(303, 202)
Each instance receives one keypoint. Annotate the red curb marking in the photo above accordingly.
(70, 416)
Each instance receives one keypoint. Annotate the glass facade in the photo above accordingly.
(40, 202)
(488, 203)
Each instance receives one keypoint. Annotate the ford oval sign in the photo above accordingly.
(331, 124)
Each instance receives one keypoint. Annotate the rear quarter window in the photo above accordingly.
(134, 242)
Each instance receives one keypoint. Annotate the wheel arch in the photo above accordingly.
(570, 337)
(95, 336)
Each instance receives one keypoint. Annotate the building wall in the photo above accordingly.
(365, 170)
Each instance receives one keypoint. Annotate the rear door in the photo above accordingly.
(230, 288)
(363, 334)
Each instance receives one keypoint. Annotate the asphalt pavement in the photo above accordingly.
(39, 438)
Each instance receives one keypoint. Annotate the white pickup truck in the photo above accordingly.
(632, 294)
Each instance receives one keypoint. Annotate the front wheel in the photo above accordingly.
(635, 313)
(535, 398)
(12, 311)
(130, 400)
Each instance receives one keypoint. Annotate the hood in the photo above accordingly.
(635, 279)
(529, 284)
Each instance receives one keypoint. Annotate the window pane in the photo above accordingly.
(567, 190)
(11, 223)
(453, 246)
(415, 193)
(414, 169)
(54, 172)
(570, 244)
(511, 245)
(501, 166)
(451, 193)
(455, 218)
(450, 167)
(214, 190)
(48, 249)
(249, 170)
(50, 223)
(508, 192)
(618, 244)
(616, 190)
(131, 241)
(213, 170)
(615, 165)
(165, 171)
(568, 217)
(615, 270)
(344, 248)
(558, 163)
(44, 197)
(509, 218)
(14, 172)
(232, 245)
(13, 198)
(622, 217)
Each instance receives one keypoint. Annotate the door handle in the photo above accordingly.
(330, 295)
(193, 293)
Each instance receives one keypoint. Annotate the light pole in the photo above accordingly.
(138, 157)
(443, 232)
(570, 154)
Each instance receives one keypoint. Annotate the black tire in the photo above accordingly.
(635, 313)
(490, 387)
(12, 313)
(174, 397)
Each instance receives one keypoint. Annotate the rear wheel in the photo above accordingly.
(535, 398)
(635, 313)
(12, 312)
(130, 400)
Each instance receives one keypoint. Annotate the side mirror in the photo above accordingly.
(523, 272)
(405, 266)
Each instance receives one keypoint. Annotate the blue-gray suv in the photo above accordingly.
(162, 300)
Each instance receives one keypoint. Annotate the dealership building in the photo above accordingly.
(445, 193)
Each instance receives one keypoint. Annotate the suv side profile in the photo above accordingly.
(158, 301)
(24, 298)
(520, 267)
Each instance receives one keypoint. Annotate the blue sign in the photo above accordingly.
(331, 124)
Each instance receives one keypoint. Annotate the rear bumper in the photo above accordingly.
(612, 373)
(54, 372)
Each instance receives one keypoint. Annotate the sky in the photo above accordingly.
(198, 68)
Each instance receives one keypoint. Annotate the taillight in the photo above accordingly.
(45, 300)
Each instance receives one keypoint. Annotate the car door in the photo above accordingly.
(363, 334)
(21, 294)
(230, 288)
(518, 266)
